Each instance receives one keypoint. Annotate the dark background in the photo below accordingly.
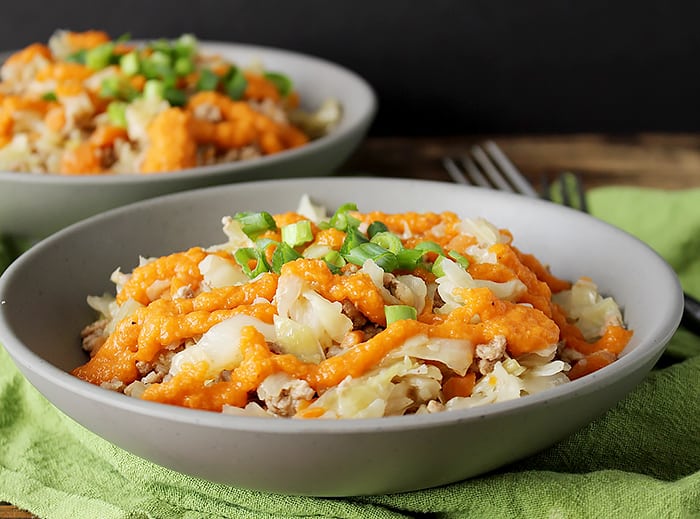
(446, 67)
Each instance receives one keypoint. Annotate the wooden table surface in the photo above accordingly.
(668, 161)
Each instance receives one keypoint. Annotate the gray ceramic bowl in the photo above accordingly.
(43, 308)
(36, 205)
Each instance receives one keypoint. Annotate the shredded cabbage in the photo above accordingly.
(366, 396)
(324, 319)
(218, 272)
(220, 346)
(591, 312)
(456, 277)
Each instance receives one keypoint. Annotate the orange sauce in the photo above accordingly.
(167, 321)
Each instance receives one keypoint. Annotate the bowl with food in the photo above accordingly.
(88, 122)
(368, 343)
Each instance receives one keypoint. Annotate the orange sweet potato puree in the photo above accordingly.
(167, 321)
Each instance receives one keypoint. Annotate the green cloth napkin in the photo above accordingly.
(642, 459)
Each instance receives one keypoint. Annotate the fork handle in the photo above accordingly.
(691, 313)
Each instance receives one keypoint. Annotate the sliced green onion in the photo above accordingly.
(77, 57)
(297, 233)
(254, 224)
(437, 266)
(124, 37)
(335, 259)
(117, 88)
(245, 255)
(385, 259)
(183, 66)
(461, 260)
(376, 227)
(429, 246)
(263, 243)
(235, 84)
(49, 96)
(161, 58)
(389, 241)
(283, 254)
(159, 65)
(130, 63)
(174, 96)
(116, 113)
(353, 238)
(409, 258)
(282, 83)
(395, 313)
(185, 45)
(207, 80)
(110, 87)
(161, 45)
(99, 57)
(343, 221)
(153, 89)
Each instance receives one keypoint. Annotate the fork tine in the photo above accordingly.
(564, 191)
(453, 171)
(521, 184)
(475, 174)
(491, 172)
(582, 204)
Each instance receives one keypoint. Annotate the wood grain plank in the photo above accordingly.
(8, 511)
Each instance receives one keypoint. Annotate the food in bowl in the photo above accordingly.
(87, 104)
(356, 315)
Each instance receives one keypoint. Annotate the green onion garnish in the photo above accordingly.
(185, 45)
(282, 83)
(100, 56)
(353, 238)
(395, 313)
(429, 246)
(334, 259)
(297, 233)
(153, 89)
(77, 57)
(174, 96)
(461, 260)
(183, 66)
(116, 113)
(118, 88)
(284, 253)
(409, 258)
(385, 259)
(388, 240)
(161, 45)
(263, 243)
(130, 63)
(376, 227)
(437, 266)
(245, 255)
(235, 83)
(207, 80)
(254, 224)
(343, 221)
(49, 96)
(124, 37)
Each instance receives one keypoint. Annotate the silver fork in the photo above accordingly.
(487, 166)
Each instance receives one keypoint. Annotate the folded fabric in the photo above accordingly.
(642, 459)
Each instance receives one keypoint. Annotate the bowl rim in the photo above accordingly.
(360, 120)
(629, 362)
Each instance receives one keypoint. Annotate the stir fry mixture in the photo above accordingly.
(357, 315)
(87, 104)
